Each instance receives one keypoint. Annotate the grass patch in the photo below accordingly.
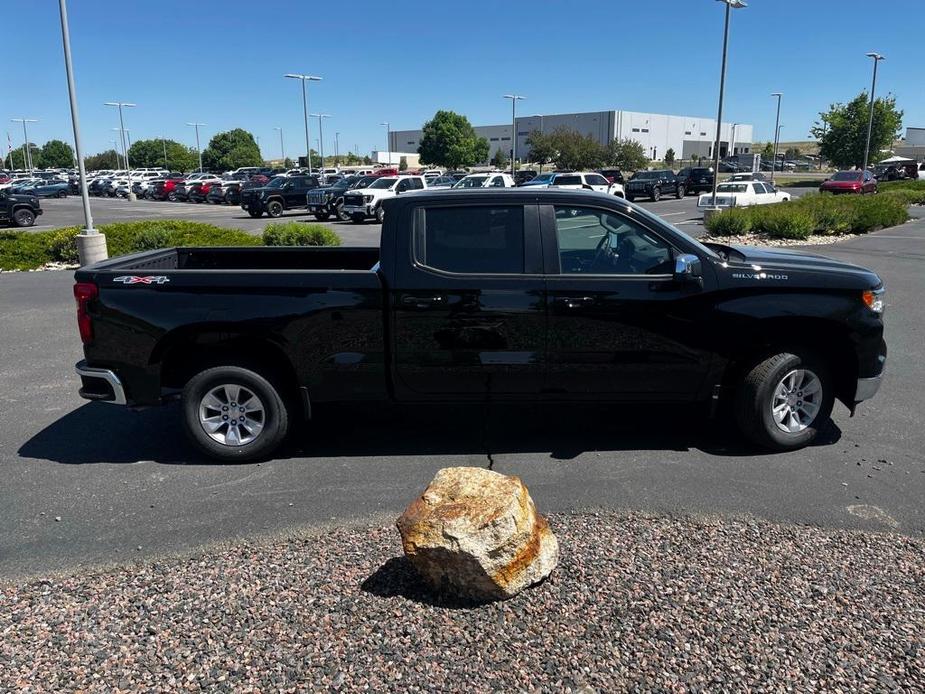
(299, 234)
(814, 214)
(28, 250)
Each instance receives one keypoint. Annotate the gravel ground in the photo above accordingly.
(637, 603)
(768, 242)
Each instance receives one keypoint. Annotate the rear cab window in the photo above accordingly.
(485, 239)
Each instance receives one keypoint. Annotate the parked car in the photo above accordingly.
(851, 182)
(586, 180)
(757, 176)
(743, 194)
(696, 179)
(464, 302)
(18, 210)
(442, 182)
(921, 174)
(888, 172)
(521, 176)
(366, 203)
(654, 184)
(329, 200)
(542, 180)
(613, 175)
(280, 194)
(494, 179)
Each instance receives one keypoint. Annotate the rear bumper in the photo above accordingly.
(100, 384)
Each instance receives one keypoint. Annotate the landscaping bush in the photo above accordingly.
(27, 250)
(878, 211)
(299, 234)
(833, 215)
(783, 221)
(733, 222)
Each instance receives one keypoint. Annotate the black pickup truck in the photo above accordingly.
(280, 194)
(19, 209)
(494, 295)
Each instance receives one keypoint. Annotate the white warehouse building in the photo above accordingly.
(687, 135)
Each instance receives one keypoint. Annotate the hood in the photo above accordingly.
(22, 197)
(331, 189)
(840, 184)
(793, 269)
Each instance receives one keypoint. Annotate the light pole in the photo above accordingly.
(198, 148)
(304, 79)
(388, 141)
(514, 99)
(336, 149)
(776, 134)
(164, 142)
(91, 245)
(870, 121)
(115, 148)
(732, 145)
(282, 148)
(730, 5)
(26, 153)
(131, 197)
(124, 158)
(320, 117)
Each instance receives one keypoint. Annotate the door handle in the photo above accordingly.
(574, 301)
(422, 301)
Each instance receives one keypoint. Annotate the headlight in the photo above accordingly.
(873, 299)
(367, 198)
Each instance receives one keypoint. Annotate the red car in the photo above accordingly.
(854, 182)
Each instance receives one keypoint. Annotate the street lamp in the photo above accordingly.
(730, 5)
(732, 146)
(131, 197)
(124, 158)
(115, 148)
(777, 128)
(388, 141)
(198, 149)
(282, 149)
(870, 121)
(336, 149)
(321, 116)
(304, 79)
(26, 153)
(514, 99)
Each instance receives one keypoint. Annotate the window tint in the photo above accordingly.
(472, 239)
(416, 184)
(602, 243)
(760, 188)
(596, 180)
(497, 182)
(567, 181)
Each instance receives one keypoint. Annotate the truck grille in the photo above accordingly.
(316, 197)
(353, 200)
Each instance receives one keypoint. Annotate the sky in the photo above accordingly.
(223, 63)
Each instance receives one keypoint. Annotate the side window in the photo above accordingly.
(597, 242)
(471, 240)
(597, 180)
(497, 182)
(403, 186)
(416, 184)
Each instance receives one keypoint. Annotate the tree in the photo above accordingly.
(792, 153)
(501, 160)
(542, 148)
(57, 154)
(626, 155)
(104, 160)
(403, 164)
(150, 153)
(230, 150)
(842, 133)
(768, 151)
(20, 162)
(577, 151)
(669, 156)
(449, 140)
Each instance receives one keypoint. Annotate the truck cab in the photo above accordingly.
(360, 205)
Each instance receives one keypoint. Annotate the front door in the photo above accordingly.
(469, 318)
(619, 323)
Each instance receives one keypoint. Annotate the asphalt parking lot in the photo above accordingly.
(89, 483)
(68, 211)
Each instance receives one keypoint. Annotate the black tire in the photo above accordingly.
(680, 192)
(380, 214)
(171, 196)
(357, 218)
(275, 416)
(756, 393)
(23, 217)
(341, 215)
(322, 216)
(656, 194)
(630, 198)
(62, 194)
(255, 213)
(275, 209)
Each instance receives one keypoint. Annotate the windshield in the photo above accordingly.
(646, 174)
(541, 179)
(658, 221)
(847, 176)
(472, 182)
(383, 183)
(276, 182)
(732, 188)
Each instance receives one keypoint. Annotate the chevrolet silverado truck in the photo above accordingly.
(280, 194)
(19, 210)
(511, 295)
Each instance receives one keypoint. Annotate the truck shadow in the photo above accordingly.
(99, 433)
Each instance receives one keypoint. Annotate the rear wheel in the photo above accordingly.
(357, 218)
(680, 192)
(784, 401)
(631, 198)
(656, 194)
(275, 208)
(172, 196)
(322, 216)
(234, 414)
(380, 214)
(255, 213)
(23, 217)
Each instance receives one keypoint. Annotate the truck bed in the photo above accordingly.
(247, 258)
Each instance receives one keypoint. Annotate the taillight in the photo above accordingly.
(84, 292)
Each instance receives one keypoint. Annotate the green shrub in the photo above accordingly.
(878, 211)
(831, 213)
(151, 239)
(299, 234)
(732, 222)
(889, 186)
(907, 196)
(783, 221)
(62, 244)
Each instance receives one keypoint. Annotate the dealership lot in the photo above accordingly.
(87, 483)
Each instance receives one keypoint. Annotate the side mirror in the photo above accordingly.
(687, 268)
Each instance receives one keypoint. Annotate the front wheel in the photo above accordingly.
(357, 218)
(680, 192)
(341, 215)
(630, 198)
(275, 209)
(380, 214)
(23, 218)
(784, 401)
(656, 194)
(322, 216)
(171, 196)
(234, 414)
(256, 214)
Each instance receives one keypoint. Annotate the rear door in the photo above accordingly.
(620, 326)
(468, 309)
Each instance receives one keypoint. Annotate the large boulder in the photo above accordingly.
(476, 534)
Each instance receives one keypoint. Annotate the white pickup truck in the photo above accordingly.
(743, 194)
(367, 202)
